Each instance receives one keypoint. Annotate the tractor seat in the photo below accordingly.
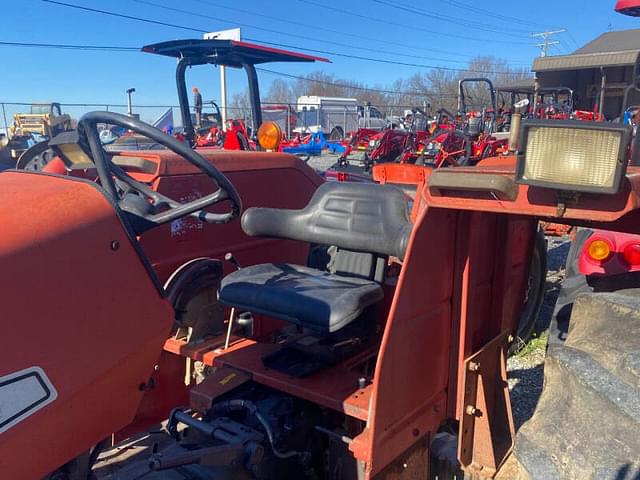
(312, 298)
(365, 221)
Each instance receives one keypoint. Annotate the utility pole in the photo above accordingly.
(544, 46)
(129, 92)
(231, 34)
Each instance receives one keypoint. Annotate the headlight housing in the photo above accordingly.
(573, 155)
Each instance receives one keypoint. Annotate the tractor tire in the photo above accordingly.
(336, 134)
(36, 157)
(573, 284)
(587, 421)
(535, 293)
(244, 143)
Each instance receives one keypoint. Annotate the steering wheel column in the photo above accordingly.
(155, 209)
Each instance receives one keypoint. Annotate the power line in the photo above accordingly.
(64, 46)
(386, 41)
(122, 15)
(354, 87)
(295, 47)
(456, 21)
(482, 11)
(368, 49)
(386, 21)
(391, 62)
(114, 48)
(572, 38)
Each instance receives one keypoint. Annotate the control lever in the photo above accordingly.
(229, 257)
(232, 260)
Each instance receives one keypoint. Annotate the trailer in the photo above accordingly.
(336, 116)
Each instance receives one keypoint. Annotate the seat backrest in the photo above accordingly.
(361, 217)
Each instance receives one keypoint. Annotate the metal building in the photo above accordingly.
(600, 73)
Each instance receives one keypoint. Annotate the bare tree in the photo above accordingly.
(435, 88)
(279, 92)
(240, 106)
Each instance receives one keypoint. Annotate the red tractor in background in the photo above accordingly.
(402, 145)
(554, 103)
(451, 140)
(475, 138)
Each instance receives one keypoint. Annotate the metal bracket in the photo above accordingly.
(565, 199)
(487, 432)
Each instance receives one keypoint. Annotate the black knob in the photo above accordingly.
(231, 259)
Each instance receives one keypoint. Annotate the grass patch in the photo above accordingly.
(537, 343)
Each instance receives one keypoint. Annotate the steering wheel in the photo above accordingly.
(162, 209)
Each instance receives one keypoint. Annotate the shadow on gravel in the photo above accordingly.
(556, 257)
(557, 254)
(525, 393)
(627, 473)
(527, 372)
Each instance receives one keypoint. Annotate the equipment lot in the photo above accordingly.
(453, 292)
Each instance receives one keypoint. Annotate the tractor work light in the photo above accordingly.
(572, 155)
(269, 135)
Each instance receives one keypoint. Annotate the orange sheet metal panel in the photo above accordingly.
(79, 305)
(408, 397)
(543, 202)
(262, 179)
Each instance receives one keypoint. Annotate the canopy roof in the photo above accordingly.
(231, 53)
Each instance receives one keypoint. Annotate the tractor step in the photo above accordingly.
(587, 421)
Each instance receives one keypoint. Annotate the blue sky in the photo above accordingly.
(31, 74)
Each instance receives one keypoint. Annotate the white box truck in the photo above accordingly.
(336, 116)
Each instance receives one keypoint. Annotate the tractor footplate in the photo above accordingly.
(307, 354)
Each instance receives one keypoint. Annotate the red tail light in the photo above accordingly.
(631, 254)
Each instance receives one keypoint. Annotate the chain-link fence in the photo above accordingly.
(291, 117)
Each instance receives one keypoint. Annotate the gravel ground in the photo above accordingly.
(525, 369)
(324, 161)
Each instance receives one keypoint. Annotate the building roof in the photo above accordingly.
(613, 42)
(523, 85)
(611, 49)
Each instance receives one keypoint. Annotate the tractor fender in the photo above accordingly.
(192, 289)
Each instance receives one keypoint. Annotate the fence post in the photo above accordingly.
(344, 120)
(4, 115)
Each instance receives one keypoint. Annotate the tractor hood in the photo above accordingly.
(84, 321)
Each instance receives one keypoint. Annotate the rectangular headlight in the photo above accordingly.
(573, 155)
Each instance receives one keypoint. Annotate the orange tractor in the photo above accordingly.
(359, 340)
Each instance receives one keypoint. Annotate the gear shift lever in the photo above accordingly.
(233, 261)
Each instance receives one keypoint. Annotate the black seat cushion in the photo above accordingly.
(312, 298)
